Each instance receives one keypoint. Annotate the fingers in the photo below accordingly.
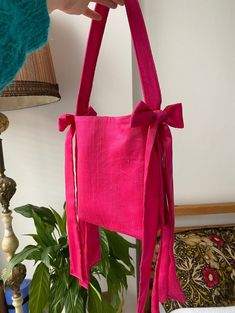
(119, 2)
(111, 4)
(107, 3)
(81, 6)
(92, 14)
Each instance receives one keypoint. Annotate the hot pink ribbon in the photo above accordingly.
(166, 284)
(69, 119)
(172, 115)
(77, 246)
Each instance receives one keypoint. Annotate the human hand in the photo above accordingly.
(78, 7)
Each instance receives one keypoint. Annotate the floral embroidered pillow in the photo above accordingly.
(205, 261)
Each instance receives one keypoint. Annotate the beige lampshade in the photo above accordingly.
(34, 85)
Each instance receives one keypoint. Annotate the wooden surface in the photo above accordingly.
(184, 228)
(205, 209)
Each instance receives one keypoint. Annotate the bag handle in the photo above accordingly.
(147, 70)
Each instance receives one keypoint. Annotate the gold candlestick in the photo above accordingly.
(10, 242)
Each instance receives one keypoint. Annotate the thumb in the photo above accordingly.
(92, 14)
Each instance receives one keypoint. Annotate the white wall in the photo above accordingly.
(194, 46)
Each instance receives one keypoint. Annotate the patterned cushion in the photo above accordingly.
(205, 261)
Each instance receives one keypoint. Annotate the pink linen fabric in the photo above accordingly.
(118, 170)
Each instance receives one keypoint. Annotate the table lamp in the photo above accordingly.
(34, 85)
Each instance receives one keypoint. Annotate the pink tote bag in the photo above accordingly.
(118, 170)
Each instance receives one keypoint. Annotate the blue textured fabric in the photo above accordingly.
(24, 28)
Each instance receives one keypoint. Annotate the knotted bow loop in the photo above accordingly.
(172, 115)
(64, 121)
(68, 119)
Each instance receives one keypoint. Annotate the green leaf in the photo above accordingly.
(103, 265)
(25, 254)
(42, 231)
(60, 222)
(97, 303)
(74, 303)
(80, 294)
(39, 289)
(119, 307)
(56, 296)
(35, 237)
(104, 242)
(45, 256)
(120, 272)
(94, 300)
(35, 256)
(114, 291)
(64, 221)
(49, 227)
(44, 213)
(117, 282)
(120, 249)
(107, 307)
(63, 242)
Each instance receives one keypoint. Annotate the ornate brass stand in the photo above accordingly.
(3, 308)
(10, 243)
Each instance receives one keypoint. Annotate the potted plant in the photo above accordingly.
(52, 288)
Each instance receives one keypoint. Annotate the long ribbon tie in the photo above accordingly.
(79, 266)
(71, 210)
(166, 284)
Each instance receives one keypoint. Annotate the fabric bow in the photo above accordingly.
(172, 115)
(68, 119)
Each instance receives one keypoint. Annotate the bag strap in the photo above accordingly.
(147, 70)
